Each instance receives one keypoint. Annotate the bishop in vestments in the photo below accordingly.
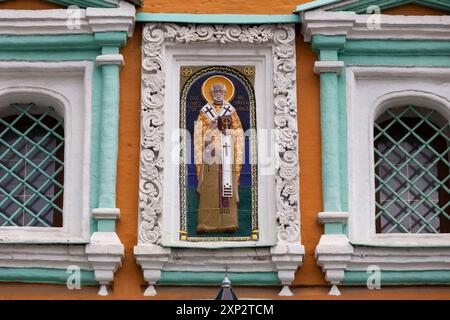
(218, 148)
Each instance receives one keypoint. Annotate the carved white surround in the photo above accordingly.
(285, 253)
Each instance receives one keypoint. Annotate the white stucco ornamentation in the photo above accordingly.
(281, 40)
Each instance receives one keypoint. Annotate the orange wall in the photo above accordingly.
(412, 9)
(129, 282)
(222, 6)
(310, 161)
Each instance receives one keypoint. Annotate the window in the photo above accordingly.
(31, 167)
(411, 165)
(45, 152)
(411, 171)
(398, 156)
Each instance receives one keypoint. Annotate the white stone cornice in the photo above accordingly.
(332, 217)
(114, 59)
(119, 19)
(366, 26)
(328, 66)
(400, 259)
(401, 27)
(327, 23)
(54, 256)
(68, 21)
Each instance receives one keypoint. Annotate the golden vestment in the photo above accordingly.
(215, 215)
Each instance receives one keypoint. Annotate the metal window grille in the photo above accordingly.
(31, 167)
(412, 171)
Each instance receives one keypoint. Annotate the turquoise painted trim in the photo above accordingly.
(47, 42)
(328, 43)
(106, 225)
(343, 170)
(218, 18)
(393, 60)
(42, 275)
(334, 228)
(345, 229)
(111, 39)
(110, 50)
(421, 48)
(42, 55)
(328, 55)
(216, 278)
(329, 120)
(109, 129)
(314, 5)
(361, 6)
(85, 3)
(97, 94)
(328, 48)
(438, 277)
(62, 42)
(397, 246)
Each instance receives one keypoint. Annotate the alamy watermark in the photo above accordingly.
(74, 14)
(374, 20)
(73, 281)
(374, 279)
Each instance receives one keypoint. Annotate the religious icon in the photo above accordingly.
(218, 145)
(218, 187)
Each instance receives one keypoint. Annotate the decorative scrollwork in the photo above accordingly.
(282, 40)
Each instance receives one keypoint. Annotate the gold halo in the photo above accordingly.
(206, 88)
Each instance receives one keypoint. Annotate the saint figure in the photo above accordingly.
(218, 147)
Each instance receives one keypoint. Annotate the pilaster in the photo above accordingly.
(329, 69)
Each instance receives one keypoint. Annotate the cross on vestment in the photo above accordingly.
(209, 110)
(226, 146)
(227, 110)
(227, 173)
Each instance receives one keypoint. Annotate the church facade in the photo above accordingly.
(148, 150)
